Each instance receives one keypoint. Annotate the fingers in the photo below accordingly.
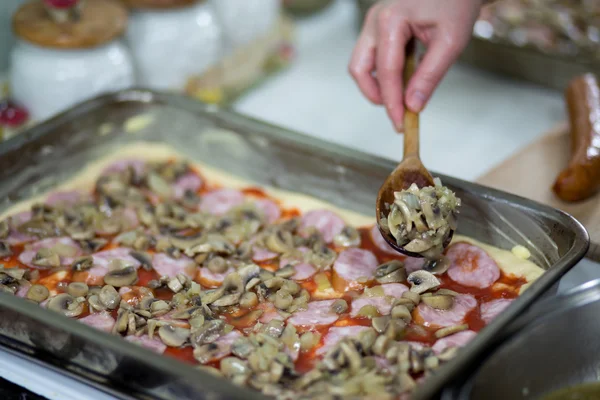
(393, 32)
(441, 54)
(362, 62)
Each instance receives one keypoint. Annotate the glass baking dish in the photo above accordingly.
(53, 151)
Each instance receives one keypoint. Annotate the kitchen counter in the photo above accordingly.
(474, 121)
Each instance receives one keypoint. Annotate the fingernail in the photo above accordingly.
(399, 127)
(416, 101)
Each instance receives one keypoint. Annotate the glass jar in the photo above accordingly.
(56, 65)
(172, 41)
(247, 20)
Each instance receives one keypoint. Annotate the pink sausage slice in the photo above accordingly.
(463, 303)
(303, 269)
(351, 266)
(187, 182)
(492, 309)
(64, 198)
(380, 242)
(219, 201)
(318, 313)
(458, 339)
(119, 166)
(154, 344)
(471, 266)
(26, 257)
(103, 260)
(14, 236)
(269, 209)
(168, 266)
(326, 222)
(337, 333)
(102, 321)
(212, 279)
(260, 255)
(382, 304)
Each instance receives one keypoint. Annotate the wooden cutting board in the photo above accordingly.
(531, 173)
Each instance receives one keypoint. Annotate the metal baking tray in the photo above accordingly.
(55, 150)
(557, 348)
(526, 63)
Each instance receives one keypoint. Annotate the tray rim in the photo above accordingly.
(477, 346)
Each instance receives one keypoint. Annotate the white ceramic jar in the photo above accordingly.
(50, 71)
(246, 20)
(47, 81)
(170, 45)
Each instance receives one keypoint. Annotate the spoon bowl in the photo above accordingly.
(411, 169)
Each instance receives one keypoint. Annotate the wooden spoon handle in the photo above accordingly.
(411, 119)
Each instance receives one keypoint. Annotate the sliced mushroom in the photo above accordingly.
(143, 258)
(412, 296)
(401, 312)
(348, 237)
(109, 297)
(339, 306)
(450, 330)
(82, 264)
(380, 324)
(46, 258)
(38, 293)
(65, 304)
(286, 272)
(217, 265)
(439, 301)
(4, 229)
(173, 336)
(391, 272)
(422, 281)
(437, 266)
(322, 256)
(77, 289)
(448, 354)
(280, 242)
(231, 366)
(248, 300)
(208, 332)
(159, 186)
(283, 299)
(93, 245)
(121, 277)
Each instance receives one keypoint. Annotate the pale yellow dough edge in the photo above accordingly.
(150, 151)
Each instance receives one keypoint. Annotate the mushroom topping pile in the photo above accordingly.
(295, 306)
(421, 220)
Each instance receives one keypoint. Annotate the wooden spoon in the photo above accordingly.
(411, 169)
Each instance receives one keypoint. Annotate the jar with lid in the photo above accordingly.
(172, 41)
(67, 51)
(247, 20)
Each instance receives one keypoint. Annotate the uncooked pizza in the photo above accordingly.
(276, 291)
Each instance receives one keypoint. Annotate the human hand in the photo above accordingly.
(444, 26)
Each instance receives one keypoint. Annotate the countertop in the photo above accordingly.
(474, 121)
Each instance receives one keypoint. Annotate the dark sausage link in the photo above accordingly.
(581, 179)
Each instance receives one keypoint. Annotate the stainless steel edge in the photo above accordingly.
(372, 167)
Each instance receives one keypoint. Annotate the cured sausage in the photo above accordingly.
(337, 333)
(326, 222)
(383, 304)
(260, 255)
(303, 269)
(189, 182)
(14, 236)
(458, 339)
(581, 178)
(212, 279)
(463, 303)
(154, 344)
(353, 265)
(102, 321)
(119, 166)
(471, 266)
(168, 266)
(380, 242)
(269, 209)
(492, 309)
(103, 260)
(219, 201)
(26, 257)
(318, 313)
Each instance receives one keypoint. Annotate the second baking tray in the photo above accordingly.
(56, 150)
